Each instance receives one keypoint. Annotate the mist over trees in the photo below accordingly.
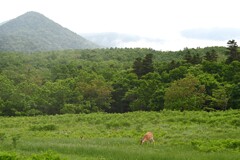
(119, 80)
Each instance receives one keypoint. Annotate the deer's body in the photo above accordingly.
(147, 137)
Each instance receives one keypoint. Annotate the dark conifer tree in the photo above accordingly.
(233, 54)
(147, 64)
(137, 67)
(142, 67)
(196, 59)
(188, 57)
(211, 56)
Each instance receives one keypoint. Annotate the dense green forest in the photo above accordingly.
(119, 80)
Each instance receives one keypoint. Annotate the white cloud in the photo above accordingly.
(221, 34)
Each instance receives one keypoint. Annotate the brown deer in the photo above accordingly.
(147, 137)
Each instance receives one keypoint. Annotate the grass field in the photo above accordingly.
(178, 136)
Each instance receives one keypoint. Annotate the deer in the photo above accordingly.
(147, 137)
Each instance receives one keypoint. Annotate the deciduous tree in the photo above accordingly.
(185, 94)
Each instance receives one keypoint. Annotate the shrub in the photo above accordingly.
(49, 155)
(8, 156)
(15, 138)
(47, 127)
(235, 122)
(2, 137)
(216, 145)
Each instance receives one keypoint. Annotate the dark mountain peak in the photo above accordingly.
(32, 32)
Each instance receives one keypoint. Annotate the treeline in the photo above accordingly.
(119, 80)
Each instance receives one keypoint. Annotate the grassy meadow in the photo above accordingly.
(98, 136)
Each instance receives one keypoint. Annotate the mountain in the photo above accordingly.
(112, 39)
(1, 23)
(33, 32)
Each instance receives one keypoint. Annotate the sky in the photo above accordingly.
(164, 24)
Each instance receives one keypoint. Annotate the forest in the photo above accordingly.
(118, 80)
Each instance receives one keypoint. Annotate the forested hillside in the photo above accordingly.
(33, 32)
(119, 80)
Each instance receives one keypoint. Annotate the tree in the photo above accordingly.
(231, 71)
(185, 94)
(196, 59)
(188, 56)
(122, 83)
(233, 53)
(234, 101)
(219, 99)
(209, 81)
(156, 102)
(25, 99)
(53, 96)
(147, 64)
(147, 92)
(143, 67)
(94, 89)
(178, 73)
(137, 67)
(6, 90)
(213, 67)
(173, 64)
(211, 56)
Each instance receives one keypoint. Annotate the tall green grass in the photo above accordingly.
(178, 135)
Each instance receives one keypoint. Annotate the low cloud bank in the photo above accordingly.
(217, 34)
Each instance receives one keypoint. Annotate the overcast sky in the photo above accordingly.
(174, 24)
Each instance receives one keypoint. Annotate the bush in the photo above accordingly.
(49, 155)
(47, 127)
(2, 137)
(117, 124)
(235, 122)
(216, 145)
(15, 139)
(8, 156)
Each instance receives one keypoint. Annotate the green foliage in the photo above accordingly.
(15, 139)
(143, 67)
(216, 145)
(122, 83)
(177, 73)
(231, 72)
(8, 156)
(49, 155)
(219, 98)
(235, 122)
(192, 59)
(209, 81)
(185, 94)
(45, 127)
(141, 96)
(2, 137)
(211, 56)
(233, 52)
(137, 67)
(234, 101)
(109, 80)
(178, 135)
